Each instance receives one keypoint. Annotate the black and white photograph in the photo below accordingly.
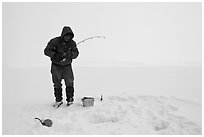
(102, 68)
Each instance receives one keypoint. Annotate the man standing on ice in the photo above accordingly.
(62, 50)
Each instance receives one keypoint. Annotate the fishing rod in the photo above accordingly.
(90, 38)
(86, 40)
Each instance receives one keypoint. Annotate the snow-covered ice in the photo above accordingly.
(27, 95)
(114, 115)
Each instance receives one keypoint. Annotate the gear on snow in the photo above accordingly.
(46, 122)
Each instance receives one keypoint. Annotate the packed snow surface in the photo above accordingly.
(113, 115)
(28, 94)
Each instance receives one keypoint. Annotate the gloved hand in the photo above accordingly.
(67, 55)
(58, 57)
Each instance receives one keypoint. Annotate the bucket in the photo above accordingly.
(87, 101)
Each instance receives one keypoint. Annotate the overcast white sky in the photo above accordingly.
(146, 33)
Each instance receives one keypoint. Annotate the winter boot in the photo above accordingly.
(70, 95)
(70, 102)
(58, 104)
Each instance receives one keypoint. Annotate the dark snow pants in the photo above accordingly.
(62, 72)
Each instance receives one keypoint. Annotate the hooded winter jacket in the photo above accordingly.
(59, 46)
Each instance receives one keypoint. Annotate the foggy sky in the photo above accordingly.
(140, 33)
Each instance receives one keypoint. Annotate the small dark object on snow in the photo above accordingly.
(46, 122)
(101, 98)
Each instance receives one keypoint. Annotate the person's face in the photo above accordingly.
(67, 37)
